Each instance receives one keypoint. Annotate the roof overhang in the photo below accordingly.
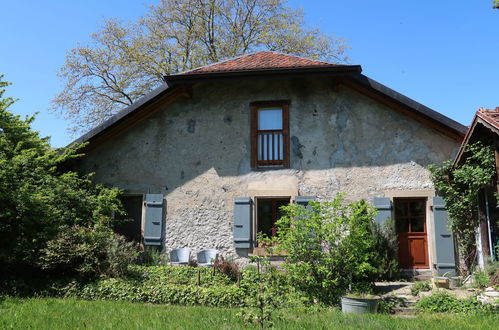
(479, 119)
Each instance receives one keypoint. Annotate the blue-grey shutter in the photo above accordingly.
(153, 226)
(242, 228)
(384, 206)
(444, 241)
(303, 200)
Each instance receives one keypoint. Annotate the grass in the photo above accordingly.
(47, 313)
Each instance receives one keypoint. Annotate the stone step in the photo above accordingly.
(422, 277)
(404, 310)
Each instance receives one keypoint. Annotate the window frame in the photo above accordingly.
(262, 105)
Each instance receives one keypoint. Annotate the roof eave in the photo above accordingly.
(149, 97)
(327, 69)
(420, 109)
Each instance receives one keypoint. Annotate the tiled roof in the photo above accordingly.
(490, 116)
(260, 61)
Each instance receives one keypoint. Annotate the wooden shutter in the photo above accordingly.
(444, 241)
(153, 225)
(384, 206)
(242, 228)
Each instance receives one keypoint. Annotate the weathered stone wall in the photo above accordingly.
(197, 152)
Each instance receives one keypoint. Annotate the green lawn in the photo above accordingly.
(37, 313)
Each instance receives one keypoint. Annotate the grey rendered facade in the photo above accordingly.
(195, 150)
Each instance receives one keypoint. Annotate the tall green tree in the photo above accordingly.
(36, 199)
(495, 4)
(124, 61)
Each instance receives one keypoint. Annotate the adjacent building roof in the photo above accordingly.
(266, 65)
(488, 118)
(261, 61)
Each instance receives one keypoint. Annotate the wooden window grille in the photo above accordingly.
(270, 134)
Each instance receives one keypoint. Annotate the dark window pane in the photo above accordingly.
(132, 227)
(416, 208)
(400, 209)
(265, 217)
(268, 213)
(402, 225)
(417, 225)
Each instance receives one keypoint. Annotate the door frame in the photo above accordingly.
(425, 234)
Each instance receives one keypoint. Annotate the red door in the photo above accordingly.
(410, 221)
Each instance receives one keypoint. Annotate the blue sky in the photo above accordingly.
(442, 53)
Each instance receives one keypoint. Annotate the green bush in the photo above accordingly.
(88, 252)
(442, 302)
(481, 279)
(330, 248)
(177, 275)
(157, 293)
(419, 286)
(492, 271)
(387, 250)
(36, 197)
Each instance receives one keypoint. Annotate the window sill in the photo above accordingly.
(268, 168)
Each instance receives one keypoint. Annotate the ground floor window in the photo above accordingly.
(410, 223)
(268, 213)
(132, 230)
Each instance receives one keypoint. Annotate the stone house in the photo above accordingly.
(207, 158)
(485, 128)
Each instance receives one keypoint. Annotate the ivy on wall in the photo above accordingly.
(460, 187)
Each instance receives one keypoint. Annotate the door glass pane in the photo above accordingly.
(416, 208)
(417, 225)
(269, 119)
(402, 225)
(400, 209)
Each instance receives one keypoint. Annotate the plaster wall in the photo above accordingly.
(197, 152)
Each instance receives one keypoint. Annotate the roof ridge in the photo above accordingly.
(219, 62)
(264, 59)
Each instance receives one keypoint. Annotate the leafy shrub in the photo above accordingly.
(177, 275)
(330, 247)
(187, 295)
(387, 304)
(481, 279)
(88, 252)
(36, 198)
(269, 295)
(492, 271)
(153, 257)
(442, 302)
(227, 267)
(419, 286)
(387, 250)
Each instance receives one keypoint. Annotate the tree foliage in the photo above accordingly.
(36, 199)
(124, 61)
(460, 187)
(495, 4)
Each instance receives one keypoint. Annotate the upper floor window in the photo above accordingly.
(270, 134)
